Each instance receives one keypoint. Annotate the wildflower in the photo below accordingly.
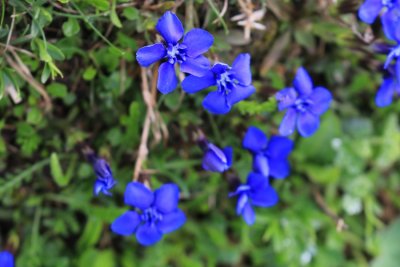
(187, 53)
(256, 192)
(269, 157)
(304, 105)
(6, 259)
(156, 213)
(390, 86)
(248, 18)
(215, 159)
(105, 180)
(233, 84)
(370, 9)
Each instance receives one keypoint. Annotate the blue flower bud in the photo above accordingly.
(217, 160)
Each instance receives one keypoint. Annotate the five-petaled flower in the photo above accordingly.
(304, 105)
(105, 180)
(269, 157)
(187, 53)
(157, 213)
(256, 192)
(233, 84)
(215, 159)
(6, 259)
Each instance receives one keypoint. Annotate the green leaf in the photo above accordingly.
(114, 16)
(389, 149)
(89, 73)
(56, 171)
(57, 90)
(70, 27)
(253, 107)
(389, 255)
(55, 52)
(103, 5)
(45, 73)
(130, 13)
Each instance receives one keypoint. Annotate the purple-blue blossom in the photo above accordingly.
(233, 84)
(256, 192)
(187, 53)
(269, 156)
(216, 159)
(390, 87)
(105, 180)
(156, 213)
(370, 9)
(6, 259)
(304, 104)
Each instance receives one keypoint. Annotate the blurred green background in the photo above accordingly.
(68, 77)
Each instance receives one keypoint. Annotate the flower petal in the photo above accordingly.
(170, 27)
(255, 140)
(389, 23)
(239, 93)
(286, 98)
(216, 103)
(288, 123)
(149, 54)
(139, 196)
(241, 69)
(198, 66)
(264, 198)
(166, 198)
(6, 259)
(198, 41)
(171, 222)
(192, 84)
(280, 168)
(241, 203)
(302, 82)
(261, 164)
(126, 224)
(148, 234)
(257, 181)
(98, 187)
(321, 99)
(215, 159)
(248, 214)
(369, 10)
(307, 124)
(167, 80)
(385, 93)
(228, 151)
(279, 147)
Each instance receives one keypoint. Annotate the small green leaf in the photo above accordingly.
(57, 90)
(89, 73)
(114, 16)
(131, 13)
(103, 5)
(70, 27)
(56, 171)
(45, 73)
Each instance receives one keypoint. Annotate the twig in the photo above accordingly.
(11, 30)
(223, 11)
(10, 47)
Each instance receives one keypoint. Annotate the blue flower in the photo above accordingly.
(187, 53)
(215, 159)
(269, 157)
(6, 259)
(390, 87)
(370, 9)
(157, 213)
(256, 192)
(304, 105)
(105, 180)
(233, 84)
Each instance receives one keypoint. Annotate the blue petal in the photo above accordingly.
(126, 224)
(239, 93)
(288, 123)
(255, 140)
(321, 99)
(148, 234)
(261, 164)
(215, 160)
(397, 68)
(385, 93)
(170, 27)
(257, 181)
(192, 84)
(248, 214)
(307, 124)
(241, 69)
(220, 68)
(216, 103)
(166, 198)
(369, 10)
(102, 168)
(139, 196)
(228, 151)
(171, 222)
(279, 147)
(241, 203)
(286, 98)
(280, 168)
(264, 198)
(390, 24)
(198, 66)
(98, 187)
(302, 82)
(149, 54)
(167, 80)
(198, 41)
(6, 259)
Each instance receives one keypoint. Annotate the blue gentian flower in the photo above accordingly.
(304, 105)
(187, 53)
(390, 87)
(105, 180)
(215, 159)
(370, 9)
(6, 259)
(233, 84)
(269, 157)
(256, 192)
(156, 213)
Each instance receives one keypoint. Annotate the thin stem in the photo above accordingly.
(214, 8)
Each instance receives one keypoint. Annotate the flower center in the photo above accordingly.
(394, 53)
(225, 82)
(302, 104)
(151, 215)
(176, 53)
